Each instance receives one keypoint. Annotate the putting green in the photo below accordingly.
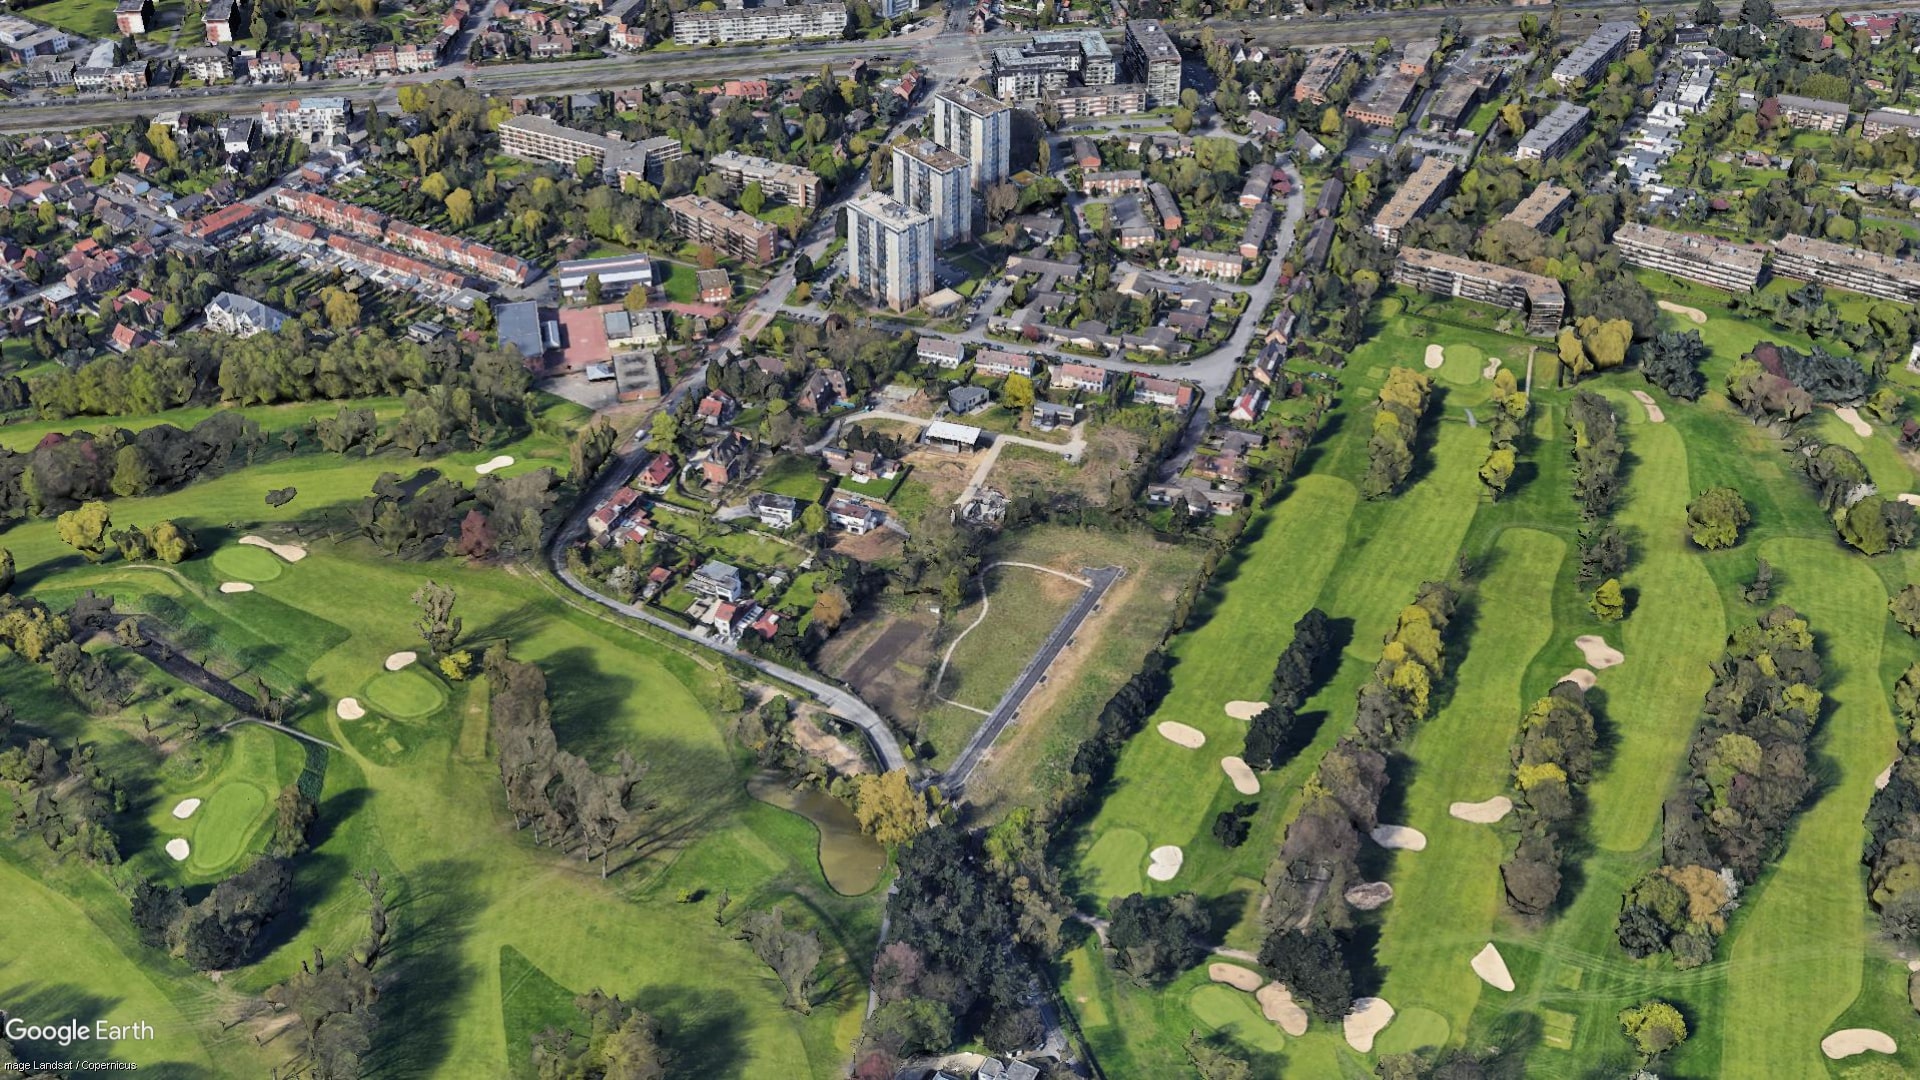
(1235, 1012)
(1412, 1029)
(405, 694)
(1116, 861)
(1462, 365)
(237, 563)
(226, 821)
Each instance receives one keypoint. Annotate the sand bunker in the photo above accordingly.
(1245, 710)
(1842, 1044)
(1190, 737)
(401, 659)
(1276, 1004)
(1692, 314)
(1492, 968)
(289, 552)
(1166, 862)
(1886, 777)
(1600, 655)
(178, 848)
(1580, 677)
(1436, 356)
(1852, 416)
(1235, 976)
(236, 586)
(1368, 1018)
(1243, 779)
(1909, 498)
(493, 465)
(185, 808)
(1482, 813)
(1369, 895)
(1399, 837)
(1654, 413)
(1492, 368)
(349, 709)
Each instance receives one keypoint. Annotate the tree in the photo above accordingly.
(1671, 361)
(813, 520)
(171, 543)
(1314, 967)
(753, 198)
(1210, 1062)
(1017, 392)
(791, 954)
(1756, 13)
(6, 571)
(595, 290)
(294, 815)
(279, 497)
(459, 206)
(888, 807)
(1330, 122)
(85, 529)
(1707, 14)
(1715, 518)
(665, 433)
(341, 307)
(1760, 590)
(438, 625)
(1497, 470)
(1905, 607)
(1654, 1026)
(132, 471)
(1155, 938)
(1609, 604)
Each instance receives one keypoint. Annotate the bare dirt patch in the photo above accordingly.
(1023, 470)
(832, 752)
(876, 546)
(889, 670)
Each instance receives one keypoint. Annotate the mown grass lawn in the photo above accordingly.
(420, 801)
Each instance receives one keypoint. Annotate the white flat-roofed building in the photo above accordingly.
(788, 182)
(1705, 259)
(618, 275)
(1555, 133)
(1841, 267)
(766, 23)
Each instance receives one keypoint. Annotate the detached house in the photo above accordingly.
(854, 516)
(823, 390)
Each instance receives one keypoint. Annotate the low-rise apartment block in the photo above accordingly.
(1541, 209)
(1555, 133)
(1813, 114)
(732, 232)
(1705, 259)
(1841, 267)
(788, 182)
(1382, 100)
(1540, 299)
(306, 117)
(1589, 59)
(1430, 183)
(767, 23)
(1322, 72)
(1883, 122)
(538, 138)
(1081, 102)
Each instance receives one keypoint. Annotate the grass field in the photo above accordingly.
(1799, 959)
(420, 802)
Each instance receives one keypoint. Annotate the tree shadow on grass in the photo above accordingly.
(701, 1027)
(433, 909)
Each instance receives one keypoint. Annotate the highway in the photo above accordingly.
(945, 54)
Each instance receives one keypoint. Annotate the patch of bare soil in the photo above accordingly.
(944, 474)
(876, 546)
(1111, 451)
(888, 673)
(831, 751)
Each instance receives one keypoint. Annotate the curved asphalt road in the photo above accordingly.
(839, 702)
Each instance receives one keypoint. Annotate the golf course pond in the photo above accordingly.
(850, 859)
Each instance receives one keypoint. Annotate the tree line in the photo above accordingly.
(1748, 776)
(1553, 756)
(1867, 520)
(1506, 419)
(570, 807)
(444, 516)
(1396, 425)
(1276, 733)
(1892, 852)
(1318, 860)
(1598, 453)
